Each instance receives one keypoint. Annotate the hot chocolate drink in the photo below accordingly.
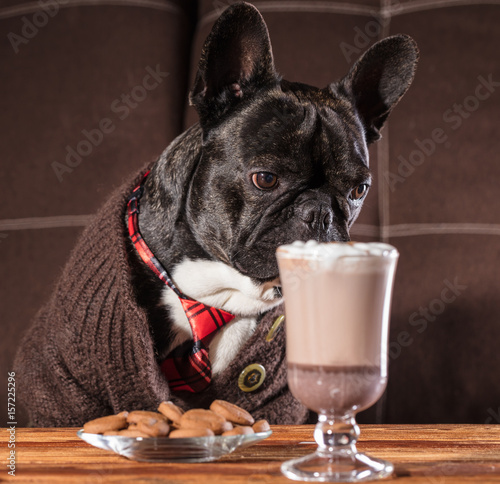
(337, 301)
(336, 389)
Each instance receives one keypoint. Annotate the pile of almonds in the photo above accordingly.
(223, 418)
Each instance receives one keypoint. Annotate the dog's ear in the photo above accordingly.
(379, 78)
(236, 60)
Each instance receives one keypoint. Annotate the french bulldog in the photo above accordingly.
(270, 162)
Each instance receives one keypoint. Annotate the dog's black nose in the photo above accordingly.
(318, 215)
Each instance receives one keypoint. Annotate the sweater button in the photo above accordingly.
(252, 377)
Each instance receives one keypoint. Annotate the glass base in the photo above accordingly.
(343, 465)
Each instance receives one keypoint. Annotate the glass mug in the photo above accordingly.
(337, 306)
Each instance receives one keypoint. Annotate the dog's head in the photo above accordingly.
(283, 161)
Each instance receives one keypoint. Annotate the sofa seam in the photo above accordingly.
(426, 5)
(395, 230)
(46, 222)
(32, 7)
(343, 8)
(296, 6)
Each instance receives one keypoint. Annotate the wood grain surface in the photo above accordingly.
(431, 454)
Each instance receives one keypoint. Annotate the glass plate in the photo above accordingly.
(164, 449)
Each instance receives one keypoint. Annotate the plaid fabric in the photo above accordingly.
(187, 367)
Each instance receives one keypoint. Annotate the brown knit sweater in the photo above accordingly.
(89, 352)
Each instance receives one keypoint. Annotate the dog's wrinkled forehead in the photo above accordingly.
(278, 123)
(300, 126)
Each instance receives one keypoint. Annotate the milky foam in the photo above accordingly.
(333, 250)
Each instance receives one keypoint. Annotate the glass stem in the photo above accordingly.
(336, 434)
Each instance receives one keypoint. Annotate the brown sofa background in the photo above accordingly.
(75, 80)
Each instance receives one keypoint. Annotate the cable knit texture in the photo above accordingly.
(89, 352)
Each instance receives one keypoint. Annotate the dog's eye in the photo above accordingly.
(358, 192)
(264, 180)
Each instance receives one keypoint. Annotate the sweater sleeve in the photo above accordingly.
(47, 385)
(89, 351)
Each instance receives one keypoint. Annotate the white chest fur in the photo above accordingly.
(218, 285)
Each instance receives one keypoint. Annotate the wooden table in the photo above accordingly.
(431, 454)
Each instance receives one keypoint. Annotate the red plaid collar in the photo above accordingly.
(187, 367)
